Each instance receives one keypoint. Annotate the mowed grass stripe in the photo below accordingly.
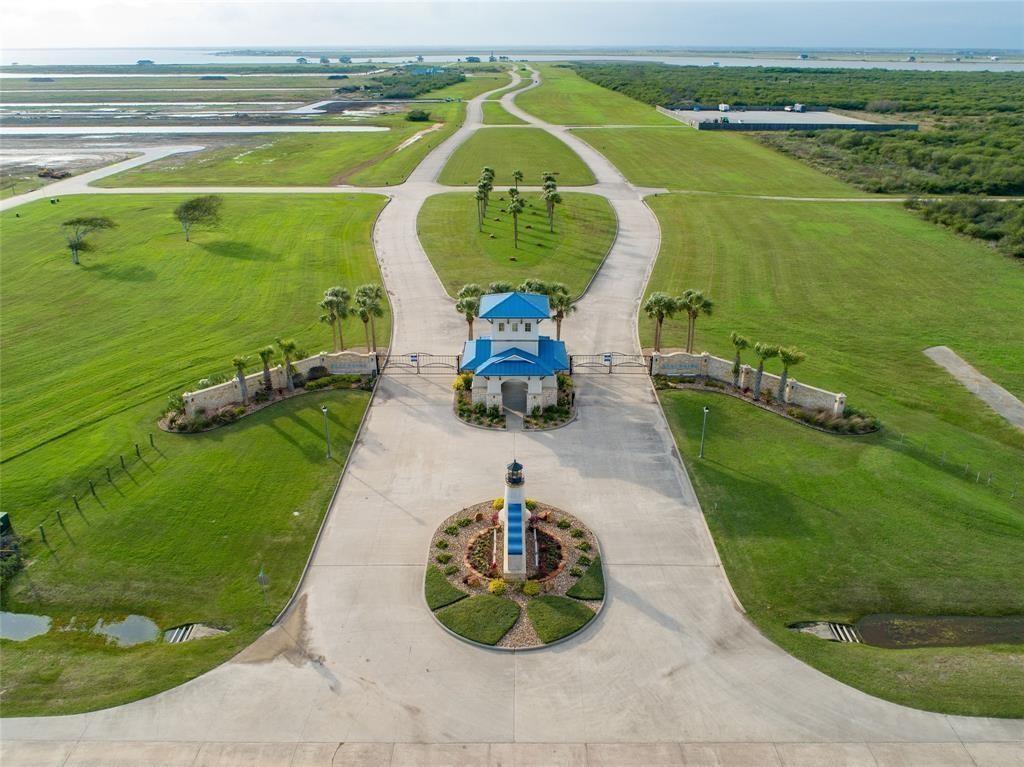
(531, 150)
(460, 253)
(682, 158)
(814, 526)
(565, 98)
(147, 314)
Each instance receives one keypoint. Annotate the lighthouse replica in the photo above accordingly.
(515, 516)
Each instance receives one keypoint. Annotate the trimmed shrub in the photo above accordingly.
(575, 572)
(451, 569)
(451, 530)
(464, 522)
(442, 544)
(498, 504)
(317, 372)
(444, 557)
(584, 546)
(584, 561)
(564, 524)
(531, 504)
(576, 533)
(494, 412)
(497, 587)
(531, 589)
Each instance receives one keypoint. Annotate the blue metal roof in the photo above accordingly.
(514, 306)
(551, 358)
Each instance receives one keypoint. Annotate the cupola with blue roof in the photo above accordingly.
(514, 366)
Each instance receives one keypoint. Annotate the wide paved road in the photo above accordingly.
(671, 672)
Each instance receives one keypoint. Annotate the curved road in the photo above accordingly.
(671, 672)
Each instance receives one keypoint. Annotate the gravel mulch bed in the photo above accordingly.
(522, 635)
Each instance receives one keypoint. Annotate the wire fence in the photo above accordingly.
(1003, 481)
(103, 481)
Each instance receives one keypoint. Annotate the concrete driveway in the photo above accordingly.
(358, 673)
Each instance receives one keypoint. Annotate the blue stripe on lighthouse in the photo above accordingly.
(515, 528)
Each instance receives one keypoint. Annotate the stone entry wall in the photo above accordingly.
(681, 364)
(229, 392)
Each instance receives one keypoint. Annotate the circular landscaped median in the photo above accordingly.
(469, 594)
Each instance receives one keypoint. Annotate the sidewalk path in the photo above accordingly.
(982, 387)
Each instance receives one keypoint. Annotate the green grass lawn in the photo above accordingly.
(814, 526)
(531, 150)
(438, 590)
(90, 354)
(584, 231)
(496, 114)
(591, 585)
(484, 618)
(565, 98)
(147, 314)
(686, 159)
(178, 538)
(556, 617)
(303, 159)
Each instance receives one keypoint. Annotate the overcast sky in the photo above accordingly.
(485, 23)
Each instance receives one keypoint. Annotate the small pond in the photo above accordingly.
(135, 629)
(21, 626)
(904, 631)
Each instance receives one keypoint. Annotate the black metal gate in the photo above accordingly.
(420, 363)
(609, 362)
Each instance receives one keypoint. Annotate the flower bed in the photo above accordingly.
(175, 420)
(553, 416)
(567, 570)
(852, 421)
(492, 417)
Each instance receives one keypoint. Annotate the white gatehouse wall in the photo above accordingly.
(684, 365)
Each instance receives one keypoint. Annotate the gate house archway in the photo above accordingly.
(513, 395)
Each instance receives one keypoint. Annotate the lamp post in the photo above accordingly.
(703, 429)
(327, 435)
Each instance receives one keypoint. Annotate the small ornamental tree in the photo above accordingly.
(764, 352)
(199, 211)
(77, 229)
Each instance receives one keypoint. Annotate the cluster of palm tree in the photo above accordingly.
(337, 304)
(516, 204)
(289, 352)
(484, 187)
(661, 306)
(467, 300)
(788, 355)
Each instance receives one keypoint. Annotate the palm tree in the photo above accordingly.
(338, 299)
(364, 316)
(535, 286)
(551, 199)
(764, 352)
(371, 297)
(468, 307)
(562, 306)
(481, 201)
(741, 343)
(488, 173)
(239, 364)
(659, 307)
(289, 350)
(547, 177)
(517, 176)
(500, 287)
(789, 356)
(266, 355)
(515, 208)
(694, 303)
(485, 187)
